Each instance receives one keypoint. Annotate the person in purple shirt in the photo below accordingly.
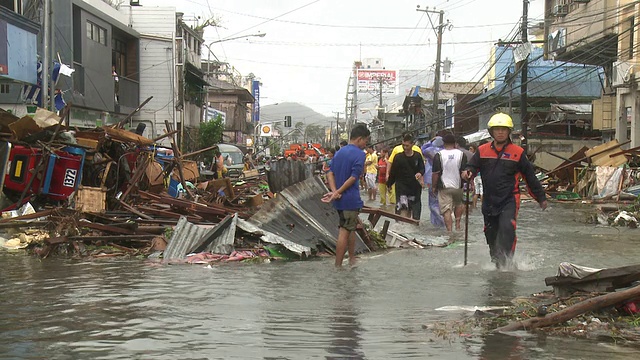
(346, 167)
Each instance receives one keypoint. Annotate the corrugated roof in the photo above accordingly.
(273, 238)
(298, 215)
(188, 238)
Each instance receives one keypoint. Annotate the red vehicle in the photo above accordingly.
(314, 149)
(62, 171)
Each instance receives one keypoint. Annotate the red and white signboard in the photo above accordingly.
(369, 80)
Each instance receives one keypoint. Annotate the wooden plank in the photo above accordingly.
(133, 210)
(385, 229)
(127, 136)
(582, 159)
(600, 154)
(368, 210)
(29, 216)
(617, 276)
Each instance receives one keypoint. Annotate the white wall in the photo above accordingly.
(157, 27)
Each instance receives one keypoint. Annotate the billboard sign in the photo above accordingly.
(213, 114)
(255, 91)
(369, 80)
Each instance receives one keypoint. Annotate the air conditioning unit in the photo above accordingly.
(622, 72)
(560, 10)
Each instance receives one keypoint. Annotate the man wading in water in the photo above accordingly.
(502, 164)
(346, 167)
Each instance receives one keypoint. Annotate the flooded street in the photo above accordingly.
(133, 309)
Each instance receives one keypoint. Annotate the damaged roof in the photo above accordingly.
(298, 215)
(189, 238)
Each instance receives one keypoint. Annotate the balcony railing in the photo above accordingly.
(129, 93)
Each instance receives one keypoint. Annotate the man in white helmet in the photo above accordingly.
(502, 164)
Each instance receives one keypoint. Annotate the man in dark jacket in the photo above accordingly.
(502, 164)
(407, 171)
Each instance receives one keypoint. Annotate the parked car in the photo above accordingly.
(233, 161)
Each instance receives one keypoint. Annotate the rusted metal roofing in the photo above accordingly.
(190, 238)
(284, 173)
(298, 215)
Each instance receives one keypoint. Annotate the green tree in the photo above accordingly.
(297, 131)
(211, 132)
(314, 133)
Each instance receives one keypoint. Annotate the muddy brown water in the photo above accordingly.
(132, 309)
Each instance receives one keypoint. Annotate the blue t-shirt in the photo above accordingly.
(348, 162)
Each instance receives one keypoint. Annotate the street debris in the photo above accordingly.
(110, 192)
(585, 303)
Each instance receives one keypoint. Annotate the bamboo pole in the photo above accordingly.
(570, 312)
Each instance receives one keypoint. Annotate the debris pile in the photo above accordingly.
(107, 191)
(586, 302)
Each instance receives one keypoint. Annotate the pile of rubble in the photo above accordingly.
(111, 192)
(585, 303)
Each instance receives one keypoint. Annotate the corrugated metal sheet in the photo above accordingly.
(298, 215)
(284, 173)
(221, 238)
(274, 239)
(188, 238)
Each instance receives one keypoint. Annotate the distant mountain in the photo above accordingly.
(298, 113)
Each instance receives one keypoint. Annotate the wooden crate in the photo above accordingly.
(91, 199)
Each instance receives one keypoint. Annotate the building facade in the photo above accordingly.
(95, 40)
(610, 40)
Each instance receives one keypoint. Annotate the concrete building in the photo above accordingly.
(170, 72)
(549, 82)
(95, 40)
(610, 40)
(375, 96)
(18, 58)
(157, 28)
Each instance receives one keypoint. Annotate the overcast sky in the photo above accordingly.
(310, 45)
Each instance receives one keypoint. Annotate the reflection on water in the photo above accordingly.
(500, 287)
(501, 347)
(343, 323)
(64, 309)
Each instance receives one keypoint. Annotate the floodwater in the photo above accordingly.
(132, 309)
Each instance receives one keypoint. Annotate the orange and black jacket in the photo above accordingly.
(501, 170)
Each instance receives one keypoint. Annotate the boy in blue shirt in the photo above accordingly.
(346, 167)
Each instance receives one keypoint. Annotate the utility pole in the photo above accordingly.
(337, 126)
(44, 89)
(523, 82)
(436, 77)
(52, 49)
(380, 108)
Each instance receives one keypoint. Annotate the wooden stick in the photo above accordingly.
(171, 133)
(570, 312)
(466, 221)
(625, 151)
(128, 117)
(199, 151)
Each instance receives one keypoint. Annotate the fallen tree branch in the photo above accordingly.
(570, 312)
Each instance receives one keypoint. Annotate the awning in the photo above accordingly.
(194, 76)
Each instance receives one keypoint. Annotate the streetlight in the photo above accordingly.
(208, 46)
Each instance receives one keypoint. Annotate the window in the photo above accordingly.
(96, 33)
(119, 56)
(4, 88)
